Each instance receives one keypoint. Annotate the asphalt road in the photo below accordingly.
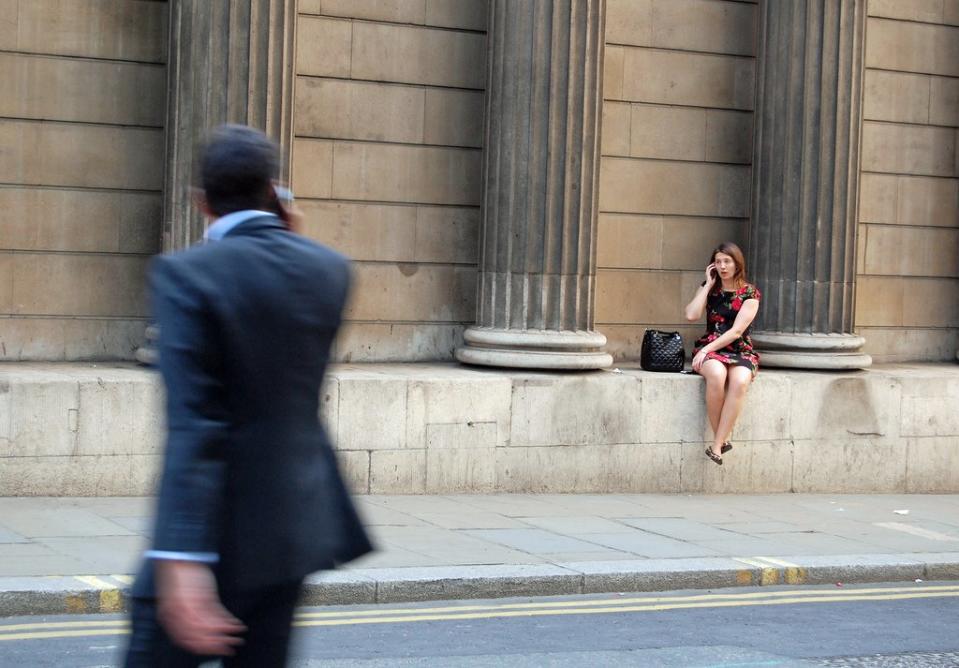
(882, 626)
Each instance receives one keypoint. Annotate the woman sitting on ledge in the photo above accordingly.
(724, 356)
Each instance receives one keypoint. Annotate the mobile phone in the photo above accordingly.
(714, 273)
(284, 196)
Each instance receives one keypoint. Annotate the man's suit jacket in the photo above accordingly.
(246, 325)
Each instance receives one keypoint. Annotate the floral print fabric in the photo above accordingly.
(722, 307)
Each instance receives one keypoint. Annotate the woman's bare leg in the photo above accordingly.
(714, 372)
(739, 378)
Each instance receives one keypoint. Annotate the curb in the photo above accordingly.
(56, 595)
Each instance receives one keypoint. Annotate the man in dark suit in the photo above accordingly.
(251, 500)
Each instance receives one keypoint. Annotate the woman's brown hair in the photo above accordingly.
(736, 253)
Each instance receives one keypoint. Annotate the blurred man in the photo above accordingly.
(250, 500)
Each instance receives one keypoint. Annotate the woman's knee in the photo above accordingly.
(714, 372)
(739, 381)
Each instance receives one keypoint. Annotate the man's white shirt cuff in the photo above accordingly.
(204, 557)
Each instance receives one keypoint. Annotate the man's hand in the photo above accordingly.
(189, 609)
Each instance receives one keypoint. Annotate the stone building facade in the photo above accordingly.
(698, 133)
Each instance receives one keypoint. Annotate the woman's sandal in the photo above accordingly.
(727, 446)
(712, 455)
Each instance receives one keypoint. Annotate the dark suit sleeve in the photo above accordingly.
(191, 487)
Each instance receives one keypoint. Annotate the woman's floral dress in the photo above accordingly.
(722, 307)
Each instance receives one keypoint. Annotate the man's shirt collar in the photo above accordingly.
(221, 226)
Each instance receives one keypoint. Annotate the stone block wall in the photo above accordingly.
(388, 122)
(81, 170)
(908, 267)
(97, 430)
(679, 91)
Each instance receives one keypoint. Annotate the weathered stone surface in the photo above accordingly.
(372, 413)
(399, 342)
(466, 14)
(407, 54)
(926, 408)
(693, 79)
(926, 11)
(79, 285)
(655, 186)
(398, 472)
(467, 413)
(909, 149)
(340, 109)
(864, 465)
(312, 170)
(135, 31)
(80, 220)
(910, 344)
(931, 465)
(393, 173)
(667, 132)
(410, 429)
(576, 410)
(411, 292)
(393, 11)
(912, 47)
(355, 468)
(60, 154)
(629, 241)
(556, 469)
(824, 406)
(931, 251)
(89, 91)
(77, 339)
(689, 25)
(323, 47)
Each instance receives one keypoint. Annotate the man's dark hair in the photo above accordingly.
(238, 166)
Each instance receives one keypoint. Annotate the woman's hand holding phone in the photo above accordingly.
(711, 275)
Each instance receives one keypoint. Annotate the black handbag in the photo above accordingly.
(662, 351)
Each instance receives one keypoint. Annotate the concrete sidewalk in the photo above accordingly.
(76, 554)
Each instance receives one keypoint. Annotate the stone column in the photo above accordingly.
(231, 61)
(541, 172)
(802, 243)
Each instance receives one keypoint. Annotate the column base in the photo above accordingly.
(836, 352)
(534, 349)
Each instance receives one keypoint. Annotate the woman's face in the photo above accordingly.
(725, 265)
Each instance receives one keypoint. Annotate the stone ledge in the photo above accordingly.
(96, 430)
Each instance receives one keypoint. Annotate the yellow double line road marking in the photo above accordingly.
(66, 629)
(592, 607)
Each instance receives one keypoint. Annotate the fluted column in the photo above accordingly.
(802, 243)
(541, 172)
(231, 61)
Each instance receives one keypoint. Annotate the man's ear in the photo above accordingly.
(199, 201)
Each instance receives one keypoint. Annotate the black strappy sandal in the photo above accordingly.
(712, 455)
(727, 446)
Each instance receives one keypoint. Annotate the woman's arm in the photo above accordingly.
(695, 308)
(747, 313)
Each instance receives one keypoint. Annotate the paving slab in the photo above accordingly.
(63, 555)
